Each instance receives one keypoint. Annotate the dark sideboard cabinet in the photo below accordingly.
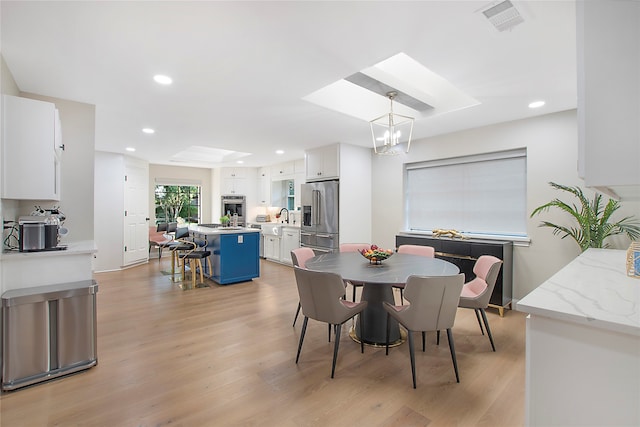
(464, 253)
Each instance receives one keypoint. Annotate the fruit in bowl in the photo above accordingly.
(375, 254)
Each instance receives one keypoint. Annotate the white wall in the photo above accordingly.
(108, 207)
(551, 143)
(355, 193)
(167, 173)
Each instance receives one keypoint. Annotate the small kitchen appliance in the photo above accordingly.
(31, 233)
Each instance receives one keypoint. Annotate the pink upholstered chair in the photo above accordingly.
(354, 247)
(321, 299)
(425, 251)
(299, 257)
(477, 292)
(433, 306)
(159, 238)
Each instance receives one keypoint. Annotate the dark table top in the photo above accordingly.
(394, 270)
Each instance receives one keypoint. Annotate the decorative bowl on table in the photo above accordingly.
(376, 255)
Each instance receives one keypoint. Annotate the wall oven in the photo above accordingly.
(234, 204)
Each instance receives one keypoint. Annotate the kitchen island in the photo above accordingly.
(235, 252)
(583, 344)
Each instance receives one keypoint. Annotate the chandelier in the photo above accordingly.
(390, 130)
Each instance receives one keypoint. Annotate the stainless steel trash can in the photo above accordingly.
(48, 331)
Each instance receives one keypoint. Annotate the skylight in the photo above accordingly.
(422, 92)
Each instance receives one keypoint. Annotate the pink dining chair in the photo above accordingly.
(299, 257)
(425, 251)
(477, 292)
(354, 247)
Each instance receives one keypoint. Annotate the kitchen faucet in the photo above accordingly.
(287, 211)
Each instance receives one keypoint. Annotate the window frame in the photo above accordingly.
(181, 184)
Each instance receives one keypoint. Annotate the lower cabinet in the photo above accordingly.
(272, 248)
(278, 248)
(464, 254)
(290, 241)
(235, 257)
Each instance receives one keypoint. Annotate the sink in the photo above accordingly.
(272, 229)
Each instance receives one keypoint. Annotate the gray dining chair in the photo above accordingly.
(477, 292)
(433, 305)
(299, 257)
(321, 299)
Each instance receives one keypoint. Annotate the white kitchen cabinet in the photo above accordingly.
(233, 172)
(282, 171)
(608, 42)
(323, 163)
(32, 144)
(299, 179)
(264, 186)
(272, 248)
(290, 241)
(234, 181)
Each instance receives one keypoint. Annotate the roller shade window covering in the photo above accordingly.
(480, 195)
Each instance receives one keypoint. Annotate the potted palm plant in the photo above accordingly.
(592, 218)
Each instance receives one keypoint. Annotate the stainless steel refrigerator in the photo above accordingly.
(319, 227)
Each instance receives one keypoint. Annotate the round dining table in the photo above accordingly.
(378, 281)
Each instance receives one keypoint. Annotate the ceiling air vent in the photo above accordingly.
(503, 15)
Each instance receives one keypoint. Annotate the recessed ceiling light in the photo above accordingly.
(148, 130)
(279, 151)
(130, 149)
(240, 162)
(536, 104)
(163, 80)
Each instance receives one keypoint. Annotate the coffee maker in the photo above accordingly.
(32, 234)
(39, 233)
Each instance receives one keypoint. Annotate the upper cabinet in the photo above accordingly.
(31, 148)
(264, 186)
(282, 171)
(608, 42)
(234, 181)
(323, 163)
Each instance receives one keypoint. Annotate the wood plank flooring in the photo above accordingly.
(225, 356)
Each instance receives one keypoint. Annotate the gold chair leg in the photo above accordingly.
(201, 273)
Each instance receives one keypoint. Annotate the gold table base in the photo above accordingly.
(402, 339)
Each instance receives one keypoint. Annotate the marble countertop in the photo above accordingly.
(592, 290)
(73, 248)
(222, 230)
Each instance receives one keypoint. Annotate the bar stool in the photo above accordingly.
(176, 246)
(194, 255)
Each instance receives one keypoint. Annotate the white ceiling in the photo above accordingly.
(241, 69)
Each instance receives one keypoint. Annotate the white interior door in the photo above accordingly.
(136, 219)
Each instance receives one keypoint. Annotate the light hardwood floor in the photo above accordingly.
(225, 356)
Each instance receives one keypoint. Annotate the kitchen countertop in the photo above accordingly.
(73, 248)
(222, 230)
(592, 290)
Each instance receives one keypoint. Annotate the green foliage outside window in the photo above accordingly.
(177, 201)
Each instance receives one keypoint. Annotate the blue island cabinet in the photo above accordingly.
(235, 257)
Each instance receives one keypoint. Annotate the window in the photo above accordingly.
(177, 201)
(481, 195)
